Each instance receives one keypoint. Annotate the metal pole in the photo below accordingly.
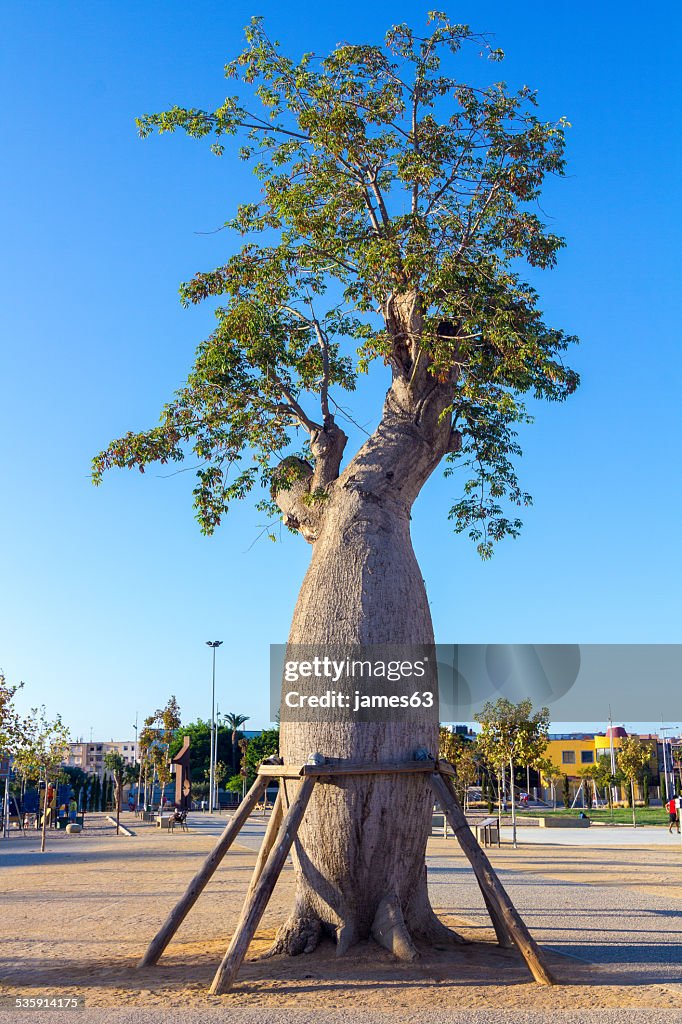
(613, 758)
(212, 761)
(211, 775)
(216, 784)
(665, 764)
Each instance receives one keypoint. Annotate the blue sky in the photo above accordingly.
(108, 595)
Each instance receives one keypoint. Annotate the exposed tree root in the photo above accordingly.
(432, 930)
(346, 936)
(393, 928)
(390, 931)
(300, 934)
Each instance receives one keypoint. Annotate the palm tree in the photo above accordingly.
(233, 722)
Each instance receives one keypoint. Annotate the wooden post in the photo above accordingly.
(268, 841)
(257, 901)
(205, 873)
(506, 916)
(501, 932)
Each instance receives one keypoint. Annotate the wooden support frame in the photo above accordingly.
(297, 771)
(203, 876)
(506, 919)
(279, 838)
(268, 840)
(260, 894)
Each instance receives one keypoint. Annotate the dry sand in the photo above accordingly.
(76, 920)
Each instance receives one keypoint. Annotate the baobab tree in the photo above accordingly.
(397, 206)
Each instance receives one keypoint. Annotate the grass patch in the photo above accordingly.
(619, 816)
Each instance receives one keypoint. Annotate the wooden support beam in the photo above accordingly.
(295, 771)
(257, 900)
(268, 841)
(501, 931)
(506, 916)
(200, 880)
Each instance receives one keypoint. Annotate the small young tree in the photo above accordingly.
(10, 723)
(10, 729)
(221, 773)
(586, 775)
(633, 757)
(398, 204)
(41, 747)
(114, 763)
(155, 739)
(551, 774)
(462, 754)
(512, 734)
(604, 778)
(147, 739)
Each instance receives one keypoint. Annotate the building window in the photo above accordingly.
(568, 756)
(587, 756)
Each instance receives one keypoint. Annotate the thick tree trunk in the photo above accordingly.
(360, 853)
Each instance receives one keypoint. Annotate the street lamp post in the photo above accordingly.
(135, 760)
(665, 762)
(211, 782)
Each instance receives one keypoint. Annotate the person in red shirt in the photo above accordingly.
(671, 807)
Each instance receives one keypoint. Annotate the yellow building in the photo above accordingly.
(570, 752)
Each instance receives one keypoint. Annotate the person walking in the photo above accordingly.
(673, 815)
(73, 809)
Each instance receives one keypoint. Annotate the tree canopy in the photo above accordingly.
(397, 207)
(10, 725)
(512, 733)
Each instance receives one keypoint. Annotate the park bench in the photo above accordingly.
(178, 819)
(488, 832)
(164, 821)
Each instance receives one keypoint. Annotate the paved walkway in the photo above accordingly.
(601, 924)
(605, 925)
(597, 836)
(598, 923)
(273, 1015)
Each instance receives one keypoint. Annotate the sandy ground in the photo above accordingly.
(76, 920)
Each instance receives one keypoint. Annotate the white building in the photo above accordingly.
(89, 757)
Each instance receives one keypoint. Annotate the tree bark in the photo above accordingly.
(360, 853)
